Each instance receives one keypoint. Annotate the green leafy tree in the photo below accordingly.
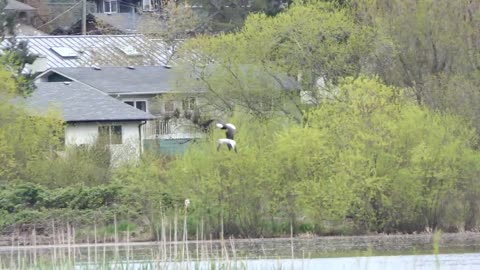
(261, 68)
(24, 136)
(174, 24)
(89, 165)
(372, 157)
(377, 157)
(15, 54)
(427, 45)
(146, 191)
(230, 15)
(237, 190)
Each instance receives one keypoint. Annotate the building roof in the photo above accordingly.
(123, 80)
(102, 50)
(81, 103)
(16, 5)
(125, 22)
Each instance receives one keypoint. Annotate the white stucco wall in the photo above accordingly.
(87, 133)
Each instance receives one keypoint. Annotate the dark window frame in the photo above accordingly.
(112, 8)
(136, 104)
(112, 133)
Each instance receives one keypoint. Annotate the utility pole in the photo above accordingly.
(84, 17)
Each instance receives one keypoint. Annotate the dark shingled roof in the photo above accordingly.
(80, 103)
(123, 80)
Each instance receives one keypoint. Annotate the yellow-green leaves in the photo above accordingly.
(372, 155)
(25, 138)
(292, 50)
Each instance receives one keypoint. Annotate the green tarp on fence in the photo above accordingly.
(167, 146)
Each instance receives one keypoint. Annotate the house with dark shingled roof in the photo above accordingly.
(91, 115)
(151, 89)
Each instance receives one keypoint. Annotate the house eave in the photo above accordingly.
(107, 120)
(152, 93)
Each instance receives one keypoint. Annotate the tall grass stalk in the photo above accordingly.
(95, 239)
(291, 240)
(164, 239)
(175, 231)
(104, 249)
(54, 259)
(34, 242)
(185, 233)
(197, 251)
(11, 250)
(88, 251)
(73, 243)
(68, 245)
(115, 234)
(162, 255)
(128, 239)
(437, 236)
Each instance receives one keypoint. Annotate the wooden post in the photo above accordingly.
(84, 17)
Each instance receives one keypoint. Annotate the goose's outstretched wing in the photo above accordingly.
(230, 134)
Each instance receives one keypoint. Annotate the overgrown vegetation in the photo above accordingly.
(377, 133)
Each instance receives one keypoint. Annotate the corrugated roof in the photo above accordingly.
(169, 48)
(102, 50)
(80, 103)
(124, 80)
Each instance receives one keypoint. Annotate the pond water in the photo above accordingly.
(418, 262)
(466, 261)
(382, 252)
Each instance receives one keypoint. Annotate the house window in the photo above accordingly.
(141, 105)
(111, 134)
(110, 6)
(188, 104)
(169, 106)
(22, 16)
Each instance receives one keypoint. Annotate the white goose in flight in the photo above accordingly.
(230, 133)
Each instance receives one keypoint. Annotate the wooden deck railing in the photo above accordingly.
(155, 128)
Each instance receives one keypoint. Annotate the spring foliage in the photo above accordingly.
(389, 141)
(373, 157)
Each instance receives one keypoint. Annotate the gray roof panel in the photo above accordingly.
(99, 50)
(80, 103)
(124, 80)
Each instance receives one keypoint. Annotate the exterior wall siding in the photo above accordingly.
(87, 133)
